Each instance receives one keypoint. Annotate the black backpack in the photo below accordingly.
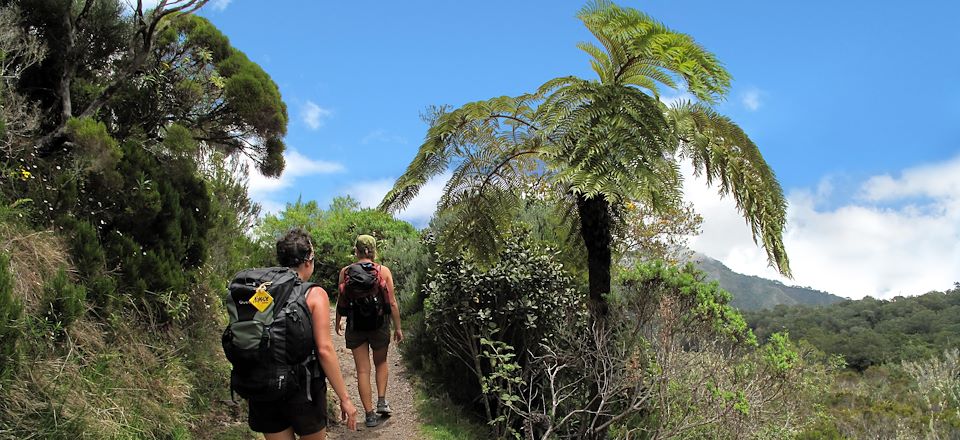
(364, 293)
(269, 338)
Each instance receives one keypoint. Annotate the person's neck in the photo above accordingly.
(302, 273)
(364, 260)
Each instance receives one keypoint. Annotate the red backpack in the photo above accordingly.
(363, 291)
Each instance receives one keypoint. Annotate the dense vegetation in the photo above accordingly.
(903, 372)
(122, 212)
(544, 299)
(869, 332)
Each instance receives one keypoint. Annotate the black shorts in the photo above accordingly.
(304, 416)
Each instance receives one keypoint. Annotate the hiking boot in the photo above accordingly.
(384, 408)
(373, 419)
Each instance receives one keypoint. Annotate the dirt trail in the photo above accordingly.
(404, 423)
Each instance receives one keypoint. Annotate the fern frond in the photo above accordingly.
(721, 151)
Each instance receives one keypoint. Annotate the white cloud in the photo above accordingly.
(219, 5)
(672, 100)
(263, 189)
(313, 115)
(855, 249)
(751, 99)
(379, 136)
(420, 209)
(929, 181)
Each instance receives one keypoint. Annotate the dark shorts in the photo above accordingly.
(379, 338)
(304, 416)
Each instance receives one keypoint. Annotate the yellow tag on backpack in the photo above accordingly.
(261, 299)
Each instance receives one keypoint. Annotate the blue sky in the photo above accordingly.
(854, 104)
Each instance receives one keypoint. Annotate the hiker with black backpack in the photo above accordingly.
(366, 298)
(279, 343)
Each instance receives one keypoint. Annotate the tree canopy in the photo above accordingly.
(597, 146)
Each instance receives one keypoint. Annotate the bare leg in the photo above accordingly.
(380, 363)
(286, 434)
(361, 357)
(319, 435)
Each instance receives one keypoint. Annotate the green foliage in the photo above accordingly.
(503, 384)
(295, 215)
(778, 353)
(577, 140)
(132, 182)
(409, 258)
(102, 293)
(11, 311)
(97, 148)
(232, 218)
(179, 140)
(334, 232)
(443, 420)
(890, 401)
(632, 40)
(702, 305)
(88, 256)
(197, 66)
(516, 304)
(675, 361)
(63, 302)
(870, 332)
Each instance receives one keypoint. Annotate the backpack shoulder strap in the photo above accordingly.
(342, 282)
(381, 281)
(305, 288)
(286, 294)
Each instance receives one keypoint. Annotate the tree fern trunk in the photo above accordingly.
(595, 229)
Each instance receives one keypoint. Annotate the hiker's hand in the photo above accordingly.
(397, 335)
(348, 413)
(339, 329)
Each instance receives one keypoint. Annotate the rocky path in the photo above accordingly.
(404, 423)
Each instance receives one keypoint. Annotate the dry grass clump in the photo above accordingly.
(34, 257)
(87, 387)
(93, 379)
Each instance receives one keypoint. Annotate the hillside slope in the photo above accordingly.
(755, 293)
(870, 331)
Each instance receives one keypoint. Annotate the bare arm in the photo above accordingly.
(320, 311)
(339, 319)
(394, 308)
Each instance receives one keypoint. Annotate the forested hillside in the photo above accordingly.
(754, 293)
(869, 331)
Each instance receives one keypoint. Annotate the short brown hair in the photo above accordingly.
(294, 248)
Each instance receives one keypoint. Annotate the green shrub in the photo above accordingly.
(88, 256)
(334, 231)
(63, 301)
(99, 150)
(485, 322)
(102, 293)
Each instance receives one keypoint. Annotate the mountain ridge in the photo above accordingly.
(756, 293)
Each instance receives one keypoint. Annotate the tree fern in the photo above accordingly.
(598, 144)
